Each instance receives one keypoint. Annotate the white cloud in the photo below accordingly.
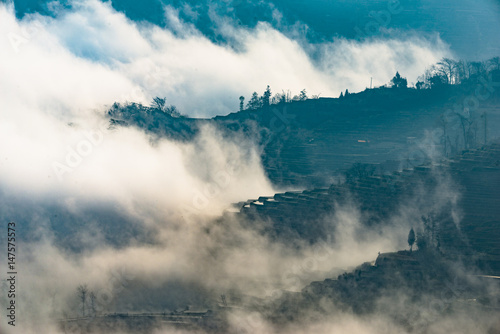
(200, 77)
(64, 70)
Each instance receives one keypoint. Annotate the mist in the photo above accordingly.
(138, 60)
(146, 223)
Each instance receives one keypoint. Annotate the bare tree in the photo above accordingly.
(484, 116)
(463, 71)
(494, 64)
(82, 294)
(478, 68)
(278, 98)
(303, 95)
(172, 111)
(447, 68)
(444, 123)
(223, 298)
(158, 103)
(92, 298)
(468, 130)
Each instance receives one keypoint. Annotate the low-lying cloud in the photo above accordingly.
(95, 53)
(58, 75)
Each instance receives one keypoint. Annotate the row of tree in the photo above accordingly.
(447, 71)
(450, 71)
(426, 238)
(267, 99)
(87, 298)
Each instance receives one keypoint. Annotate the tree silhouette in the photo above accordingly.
(266, 98)
(422, 241)
(469, 129)
(254, 102)
(358, 171)
(242, 102)
(92, 298)
(278, 98)
(341, 95)
(447, 68)
(478, 68)
(158, 103)
(494, 63)
(399, 82)
(172, 111)
(437, 80)
(411, 239)
(346, 92)
(303, 95)
(82, 294)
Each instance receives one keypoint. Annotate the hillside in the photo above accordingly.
(415, 290)
(309, 143)
(465, 186)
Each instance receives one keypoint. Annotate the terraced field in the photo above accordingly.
(459, 198)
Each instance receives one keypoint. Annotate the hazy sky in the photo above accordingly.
(203, 57)
(469, 26)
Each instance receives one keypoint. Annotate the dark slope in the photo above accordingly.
(458, 202)
(414, 290)
(307, 143)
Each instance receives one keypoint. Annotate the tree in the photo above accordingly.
(303, 95)
(411, 239)
(346, 92)
(82, 294)
(447, 68)
(422, 241)
(462, 73)
(158, 103)
(478, 68)
(359, 171)
(242, 103)
(172, 111)
(437, 80)
(494, 63)
(254, 102)
(266, 97)
(469, 129)
(399, 82)
(92, 298)
(419, 85)
(443, 122)
(278, 98)
(341, 95)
